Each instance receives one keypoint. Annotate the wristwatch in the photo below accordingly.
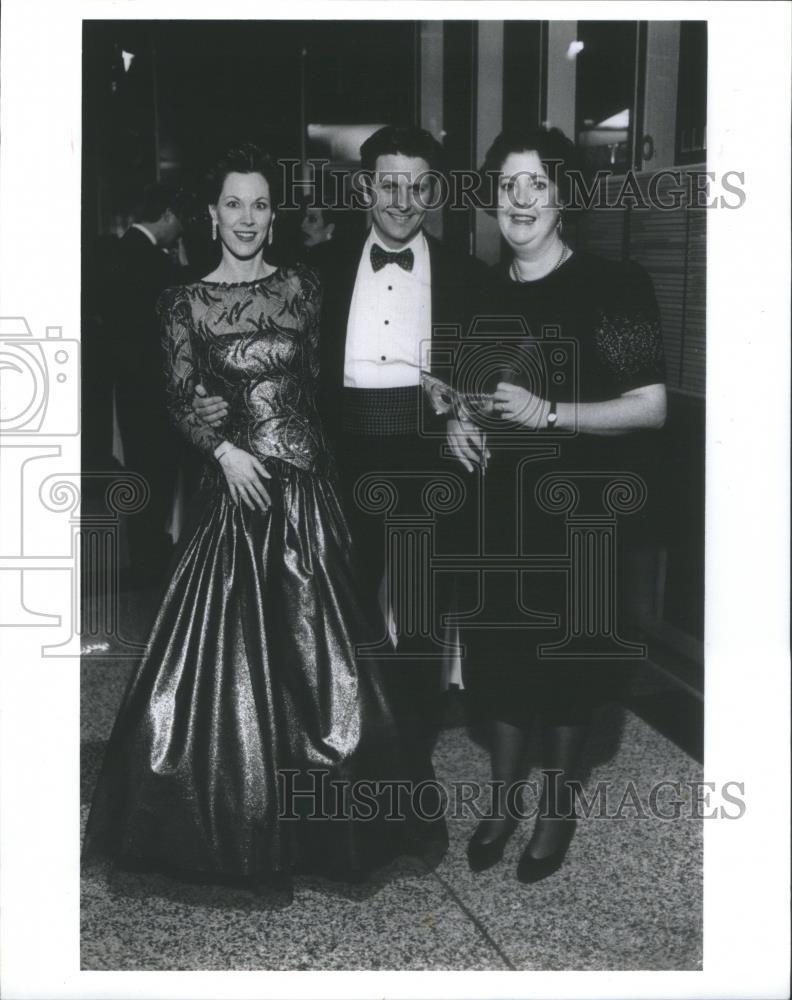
(552, 416)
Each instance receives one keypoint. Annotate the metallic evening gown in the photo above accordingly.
(250, 668)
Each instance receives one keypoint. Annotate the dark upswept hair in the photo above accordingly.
(409, 140)
(558, 154)
(247, 158)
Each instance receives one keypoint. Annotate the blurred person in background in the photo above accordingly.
(143, 263)
(325, 233)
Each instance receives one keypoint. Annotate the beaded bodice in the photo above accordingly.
(255, 344)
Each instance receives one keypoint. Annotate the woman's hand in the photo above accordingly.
(520, 406)
(244, 474)
(210, 410)
(467, 442)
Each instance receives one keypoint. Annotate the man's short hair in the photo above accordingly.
(407, 140)
(157, 198)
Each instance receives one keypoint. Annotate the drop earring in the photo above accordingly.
(214, 229)
(269, 234)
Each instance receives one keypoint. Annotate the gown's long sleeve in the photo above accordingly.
(182, 371)
(310, 311)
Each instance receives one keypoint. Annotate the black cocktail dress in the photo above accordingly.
(250, 700)
(587, 332)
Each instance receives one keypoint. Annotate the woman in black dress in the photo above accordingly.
(250, 690)
(585, 370)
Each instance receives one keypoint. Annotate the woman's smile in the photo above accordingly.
(522, 218)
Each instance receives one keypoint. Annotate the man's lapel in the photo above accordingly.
(439, 264)
(348, 276)
(339, 288)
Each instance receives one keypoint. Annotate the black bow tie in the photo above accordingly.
(380, 257)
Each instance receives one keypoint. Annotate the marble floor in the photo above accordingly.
(629, 896)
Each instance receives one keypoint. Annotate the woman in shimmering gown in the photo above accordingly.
(250, 700)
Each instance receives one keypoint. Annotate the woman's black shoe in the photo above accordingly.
(483, 854)
(530, 869)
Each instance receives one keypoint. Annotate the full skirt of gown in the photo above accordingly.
(249, 731)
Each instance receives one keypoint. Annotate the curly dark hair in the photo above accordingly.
(558, 154)
(247, 158)
(409, 140)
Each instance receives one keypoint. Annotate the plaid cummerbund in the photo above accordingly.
(381, 411)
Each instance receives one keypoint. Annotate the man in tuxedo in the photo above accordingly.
(383, 298)
(382, 304)
(139, 270)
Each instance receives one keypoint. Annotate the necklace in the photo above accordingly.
(565, 253)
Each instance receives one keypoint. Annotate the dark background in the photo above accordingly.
(195, 87)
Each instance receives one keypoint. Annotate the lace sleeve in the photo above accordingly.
(311, 306)
(181, 370)
(628, 334)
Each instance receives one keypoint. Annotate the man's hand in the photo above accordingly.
(211, 410)
(520, 406)
(467, 442)
(244, 474)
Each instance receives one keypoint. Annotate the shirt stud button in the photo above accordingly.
(387, 322)
(382, 357)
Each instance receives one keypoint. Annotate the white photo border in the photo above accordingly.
(746, 866)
